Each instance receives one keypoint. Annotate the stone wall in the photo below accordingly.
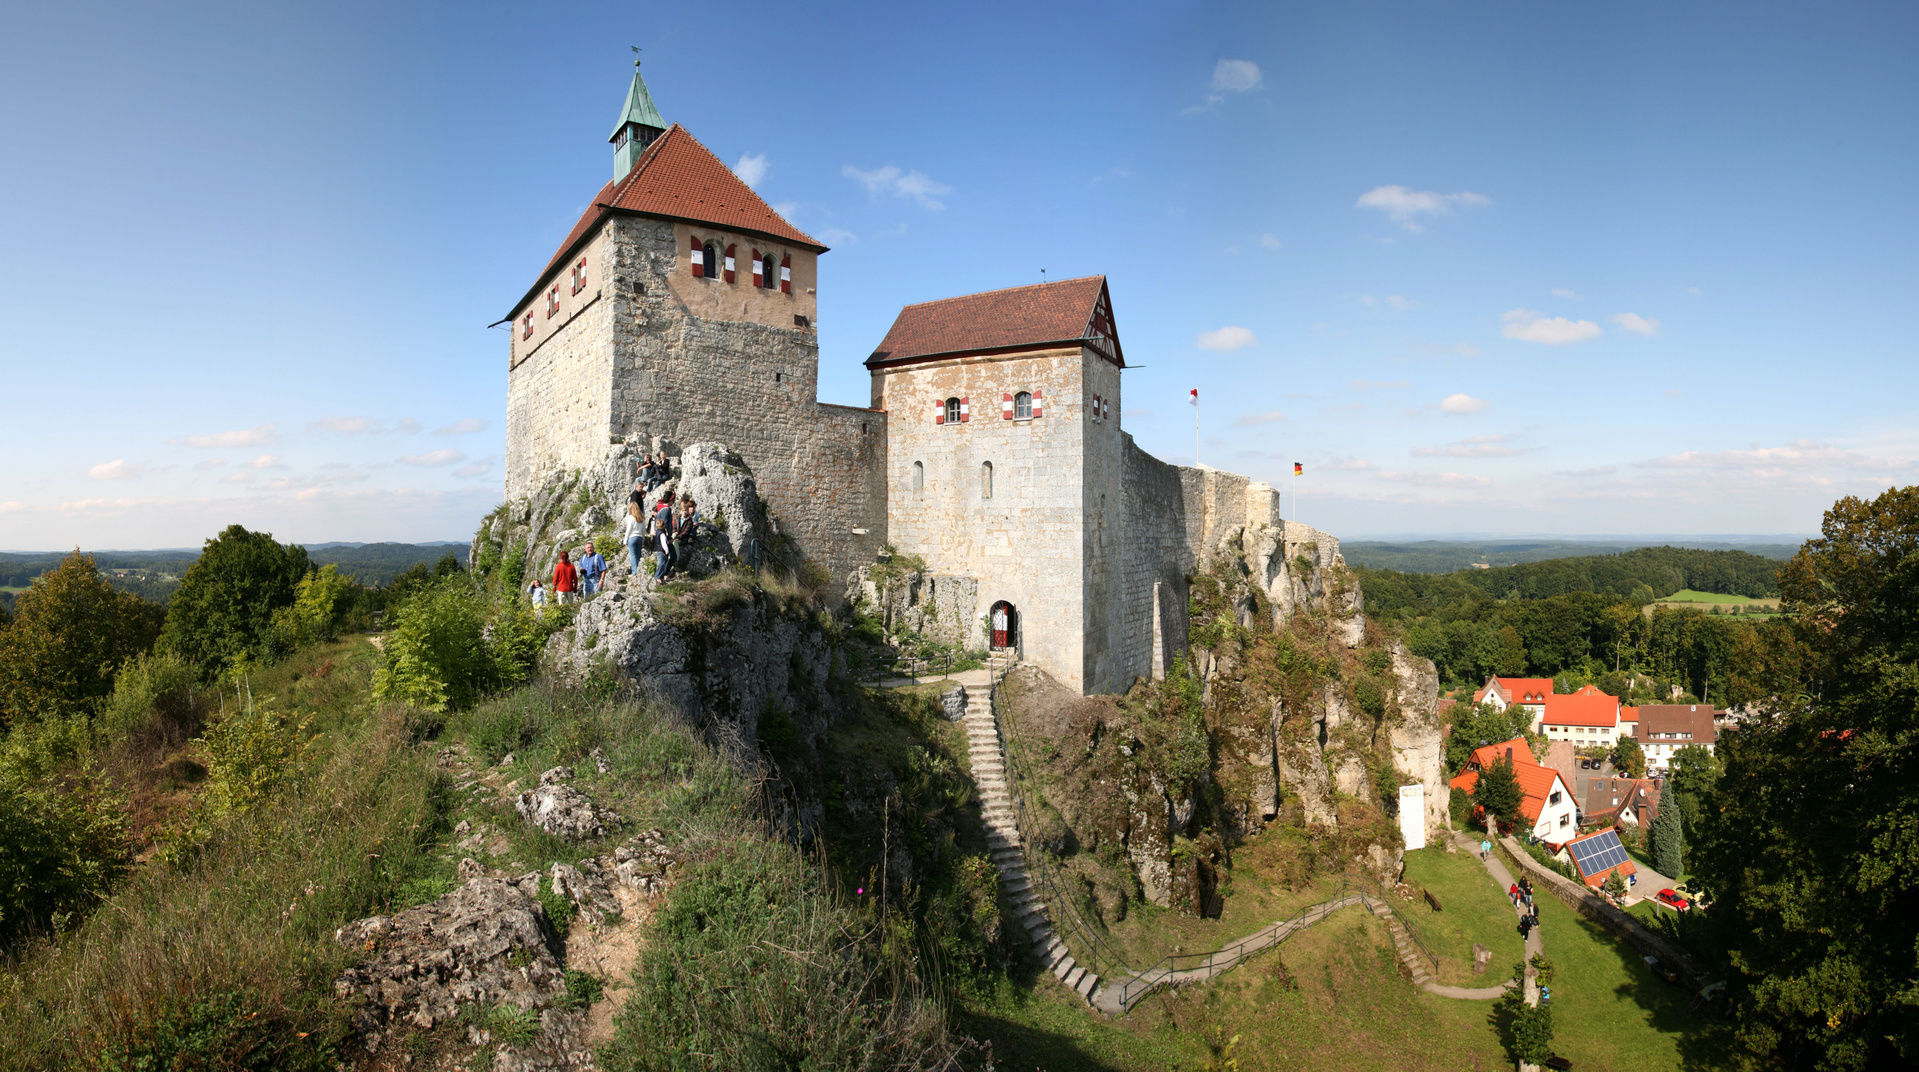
(560, 381)
(1596, 908)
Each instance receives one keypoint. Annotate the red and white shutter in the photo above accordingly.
(939, 412)
(786, 273)
(759, 274)
(699, 266)
(1006, 407)
(966, 409)
(729, 262)
(1036, 397)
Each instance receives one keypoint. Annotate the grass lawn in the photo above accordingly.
(1332, 998)
(1472, 909)
(1609, 1011)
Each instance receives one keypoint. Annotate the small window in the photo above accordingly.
(528, 333)
(1555, 798)
(769, 272)
(553, 301)
(1023, 406)
(919, 475)
(952, 411)
(986, 480)
(710, 257)
(1565, 820)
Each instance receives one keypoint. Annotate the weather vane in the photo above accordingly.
(636, 56)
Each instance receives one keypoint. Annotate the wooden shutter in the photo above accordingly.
(1036, 394)
(786, 273)
(1006, 406)
(759, 277)
(729, 262)
(698, 267)
(966, 409)
(939, 411)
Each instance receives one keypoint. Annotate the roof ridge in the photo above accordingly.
(744, 185)
(1003, 290)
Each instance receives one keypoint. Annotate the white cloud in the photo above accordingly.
(916, 185)
(786, 209)
(1235, 76)
(472, 469)
(11, 505)
(1462, 404)
(1638, 325)
(1448, 479)
(1351, 465)
(836, 236)
(1479, 446)
(117, 469)
(443, 456)
(463, 426)
(241, 477)
(1404, 206)
(1226, 338)
(1531, 325)
(751, 168)
(1564, 292)
(209, 463)
(266, 461)
(364, 426)
(242, 437)
(1254, 420)
(1268, 240)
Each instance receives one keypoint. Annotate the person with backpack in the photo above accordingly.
(592, 565)
(662, 527)
(565, 577)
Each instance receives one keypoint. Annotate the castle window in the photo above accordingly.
(528, 333)
(986, 480)
(552, 301)
(919, 475)
(579, 276)
(952, 411)
(769, 272)
(1023, 406)
(709, 257)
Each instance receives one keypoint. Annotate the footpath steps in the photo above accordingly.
(1409, 955)
(1001, 817)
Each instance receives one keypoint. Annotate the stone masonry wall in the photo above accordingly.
(560, 381)
(1025, 542)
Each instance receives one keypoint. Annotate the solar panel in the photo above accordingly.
(1596, 854)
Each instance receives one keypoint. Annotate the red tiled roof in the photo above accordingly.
(680, 179)
(1587, 707)
(1628, 714)
(1535, 781)
(1597, 877)
(1520, 690)
(995, 320)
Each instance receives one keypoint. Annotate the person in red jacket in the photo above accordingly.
(565, 579)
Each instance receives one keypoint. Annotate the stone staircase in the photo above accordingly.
(1001, 817)
(1408, 953)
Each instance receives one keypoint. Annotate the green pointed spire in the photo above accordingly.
(639, 124)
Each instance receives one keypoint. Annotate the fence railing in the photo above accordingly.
(1169, 968)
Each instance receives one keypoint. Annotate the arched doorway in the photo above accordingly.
(1004, 621)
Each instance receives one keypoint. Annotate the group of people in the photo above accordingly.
(1521, 894)
(673, 521)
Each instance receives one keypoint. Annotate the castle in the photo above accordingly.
(681, 306)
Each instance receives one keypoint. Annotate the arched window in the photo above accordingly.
(1023, 406)
(952, 411)
(919, 475)
(769, 272)
(711, 258)
(986, 480)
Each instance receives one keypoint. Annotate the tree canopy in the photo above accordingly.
(70, 632)
(226, 601)
(1811, 844)
(1498, 790)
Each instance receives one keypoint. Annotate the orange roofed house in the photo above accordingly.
(683, 308)
(1547, 803)
(1585, 717)
(1528, 693)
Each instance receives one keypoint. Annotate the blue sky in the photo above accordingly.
(1491, 268)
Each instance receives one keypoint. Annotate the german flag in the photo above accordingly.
(1298, 468)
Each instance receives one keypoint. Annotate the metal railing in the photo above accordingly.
(1169, 968)
(1411, 928)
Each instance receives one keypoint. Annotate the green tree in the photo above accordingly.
(1498, 789)
(70, 632)
(1691, 782)
(227, 600)
(1811, 848)
(1669, 841)
(1628, 758)
(320, 601)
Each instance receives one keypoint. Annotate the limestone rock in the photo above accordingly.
(585, 887)
(643, 861)
(563, 811)
(1418, 752)
(953, 703)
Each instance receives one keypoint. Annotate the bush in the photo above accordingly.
(224, 609)
(436, 654)
(156, 701)
(70, 632)
(320, 603)
(61, 848)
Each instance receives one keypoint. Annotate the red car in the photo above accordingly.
(1671, 899)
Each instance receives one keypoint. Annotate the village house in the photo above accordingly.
(1666, 728)
(1609, 801)
(1547, 807)
(1585, 717)
(1598, 855)
(1527, 692)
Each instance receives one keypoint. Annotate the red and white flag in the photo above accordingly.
(1193, 396)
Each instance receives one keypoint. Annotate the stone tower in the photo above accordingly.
(681, 306)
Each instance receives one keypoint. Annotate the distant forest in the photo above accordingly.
(154, 575)
(1446, 556)
(1639, 576)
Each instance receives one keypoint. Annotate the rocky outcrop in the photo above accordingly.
(940, 607)
(1419, 754)
(563, 811)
